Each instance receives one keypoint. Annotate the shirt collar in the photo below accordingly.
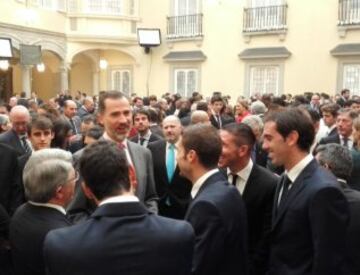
(107, 137)
(299, 167)
(120, 199)
(147, 136)
(49, 205)
(168, 144)
(196, 187)
(245, 172)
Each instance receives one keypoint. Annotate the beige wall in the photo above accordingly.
(81, 75)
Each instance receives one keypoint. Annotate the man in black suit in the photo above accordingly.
(217, 105)
(11, 192)
(345, 96)
(16, 137)
(256, 185)
(115, 115)
(217, 212)
(338, 160)
(344, 129)
(87, 108)
(310, 212)
(172, 189)
(142, 125)
(69, 111)
(329, 116)
(121, 236)
(49, 181)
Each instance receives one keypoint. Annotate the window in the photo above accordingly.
(186, 7)
(351, 78)
(185, 81)
(264, 80)
(121, 81)
(104, 6)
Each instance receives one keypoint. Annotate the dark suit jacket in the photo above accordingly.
(175, 195)
(82, 112)
(354, 180)
(333, 132)
(11, 192)
(334, 138)
(121, 238)
(11, 139)
(353, 239)
(28, 229)
(261, 156)
(309, 228)
(146, 192)
(218, 217)
(153, 138)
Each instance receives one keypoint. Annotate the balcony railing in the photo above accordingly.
(349, 12)
(184, 26)
(262, 19)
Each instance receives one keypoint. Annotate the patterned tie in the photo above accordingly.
(25, 145)
(170, 162)
(73, 126)
(132, 171)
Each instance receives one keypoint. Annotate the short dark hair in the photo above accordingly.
(343, 91)
(331, 108)
(294, 119)
(216, 98)
(95, 132)
(202, 106)
(141, 112)
(242, 132)
(205, 141)
(88, 119)
(111, 95)
(105, 169)
(40, 122)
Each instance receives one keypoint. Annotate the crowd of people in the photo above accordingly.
(173, 185)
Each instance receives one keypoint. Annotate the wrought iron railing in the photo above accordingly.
(269, 18)
(349, 12)
(184, 26)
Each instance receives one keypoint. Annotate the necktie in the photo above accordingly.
(25, 145)
(234, 179)
(142, 140)
(170, 162)
(218, 120)
(73, 126)
(132, 171)
(285, 182)
(345, 141)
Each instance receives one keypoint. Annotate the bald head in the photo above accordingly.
(20, 118)
(70, 108)
(199, 116)
(172, 129)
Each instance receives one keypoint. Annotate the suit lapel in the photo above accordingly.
(250, 186)
(297, 187)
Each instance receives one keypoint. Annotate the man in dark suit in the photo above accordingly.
(69, 111)
(142, 125)
(329, 116)
(87, 108)
(345, 96)
(310, 212)
(217, 105)
(121, 236)
(16, 137)
(11, 192)
(217, 212)
(257, 186)
(115, 115)
(338, 160)
(49, 181)
(172, 189)
(344, 129)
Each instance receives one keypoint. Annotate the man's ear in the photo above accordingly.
(292, 138)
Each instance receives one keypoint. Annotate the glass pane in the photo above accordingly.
(126, 82)
(116, 80)
(180, 82)
(351, 79)
(191, 83)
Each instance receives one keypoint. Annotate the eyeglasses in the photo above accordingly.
(76, 178)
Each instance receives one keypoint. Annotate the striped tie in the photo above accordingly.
(25, 145)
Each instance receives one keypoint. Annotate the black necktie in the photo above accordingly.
(234, 179)
(285, 182)
(73, 126)
(25, 145)
(345, 140)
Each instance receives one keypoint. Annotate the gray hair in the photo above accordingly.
(45, 171)
(4, 119)
(258, 108)
(254, 121)
(337, 158)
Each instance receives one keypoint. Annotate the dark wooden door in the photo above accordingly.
(6, 84)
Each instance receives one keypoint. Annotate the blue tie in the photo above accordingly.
(170, 162)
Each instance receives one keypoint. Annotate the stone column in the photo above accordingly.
(64, 78)
(26, 79)
(96, 81)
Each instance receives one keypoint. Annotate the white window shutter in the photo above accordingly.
(351, 78)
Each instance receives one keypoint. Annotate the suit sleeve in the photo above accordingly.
(151, 197)
(329, 216)
(209, 238)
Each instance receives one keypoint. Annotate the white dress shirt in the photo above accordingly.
(196, 187)
(120, 199)
(243, 176)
